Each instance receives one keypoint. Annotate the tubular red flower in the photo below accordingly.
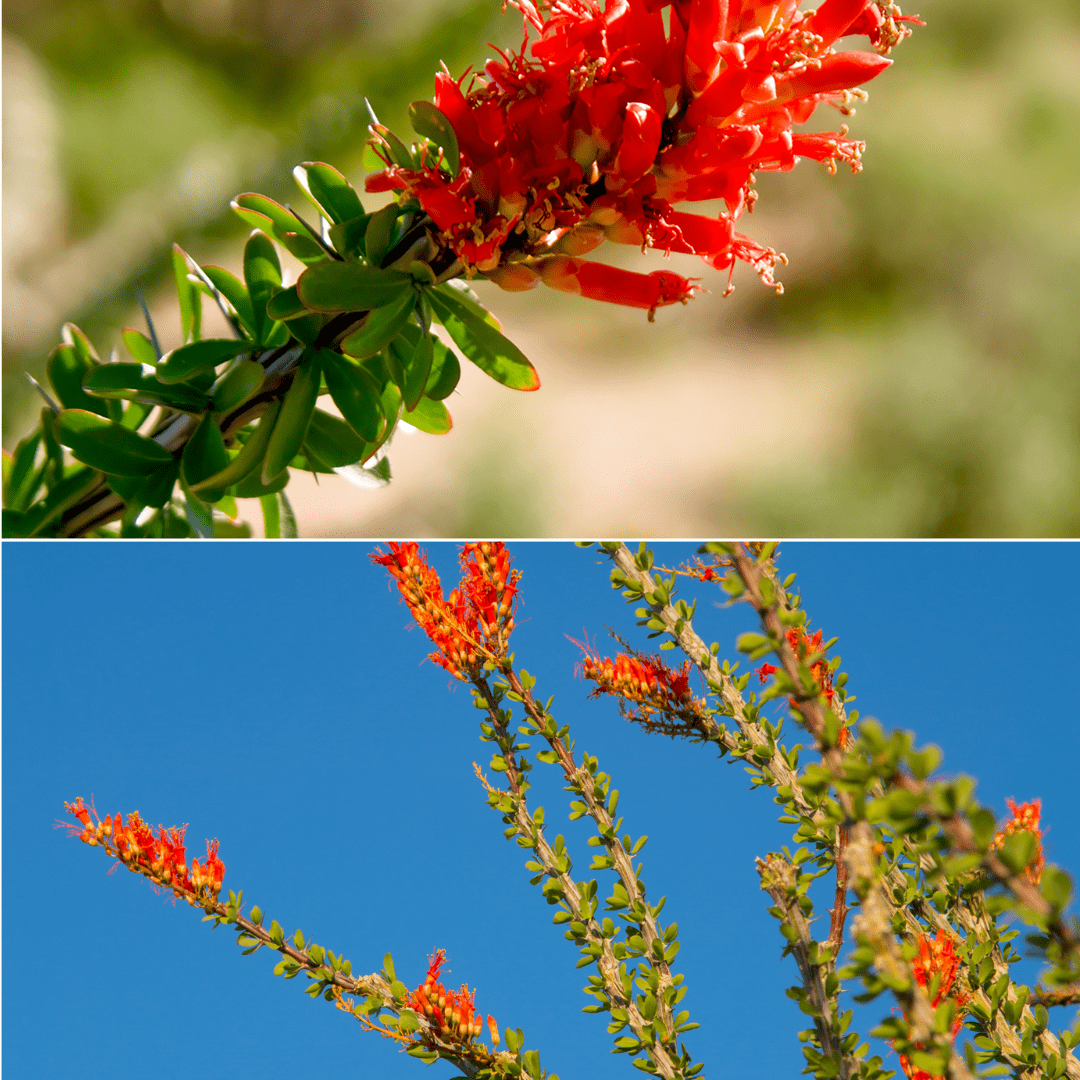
(936, 969)
(645, 681)
(604, 119)
(159, 856)
(452, 1014)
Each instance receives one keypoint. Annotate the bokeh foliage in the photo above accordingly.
(958, 290)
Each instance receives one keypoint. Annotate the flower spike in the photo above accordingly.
(472, 626)
(159, 856)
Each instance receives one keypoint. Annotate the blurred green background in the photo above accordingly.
(920, 376)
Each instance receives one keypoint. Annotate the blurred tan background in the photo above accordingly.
(920, 376)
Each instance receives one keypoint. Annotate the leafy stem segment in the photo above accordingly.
(823, 822)
(650, 1015)
(1010, 1032)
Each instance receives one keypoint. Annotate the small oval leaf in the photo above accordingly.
(430, 416)
(380, 327)
(355, 392)
(108, 446)
(238, 385)
(180, 364)
(485, 346)
(344, 286)
(292, 423)
(329, 191)
(433, 124)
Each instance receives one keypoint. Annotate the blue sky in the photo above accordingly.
(272, 695)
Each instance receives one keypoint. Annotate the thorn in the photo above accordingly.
(149, 324)
(42, 391)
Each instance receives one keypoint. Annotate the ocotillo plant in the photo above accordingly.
(923, 879)
(594, 129)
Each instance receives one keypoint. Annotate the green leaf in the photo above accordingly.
(263, 213)
(240, 382)
(156, 490)
(131, 382)
(418, 371)
(199, 515)
(1056, 886)
(445, 372)
(345, 286)
(73, 336)
(181, 364)
(329, 191)
(106, 445)
(66, 370)
(457, 289)
(205, 455)
(482, 343)
(432, 123)
(292, 423)
(189, 295)
(355, 393)
(286, 304)
(748, 643)
(235, 291)
(21, 479)
(531, 1062)
(333, 441)
(391, 406)
(248, 459)
(262, 274)
(418, 360)
(925, 761)
(37, 521)
(348, 236)
(252, 487)
(380, 326)
(140, 346)
(379, 231)
(430, 416)
(1018, 850)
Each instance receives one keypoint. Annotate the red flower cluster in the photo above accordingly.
(804, 645)
(606, 118)
(937, 964)
(1025, 818)
(474, 623)
(644, 680)
(452, 1013)
(160, 857)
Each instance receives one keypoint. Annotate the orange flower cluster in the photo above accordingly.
(159, 857)
(1025, 818)
(474, 623)
(937, 959)
(452, 1013)
(803, 646)
(645, 680)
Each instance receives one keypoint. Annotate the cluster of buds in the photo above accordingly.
(605, 119)
(644, 681)
(452, 1014)
(470, 627)
(936, 969)
(804, 646)
(160, 856)
(1025, 818)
